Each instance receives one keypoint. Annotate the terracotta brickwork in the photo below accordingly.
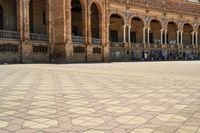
(67, 31)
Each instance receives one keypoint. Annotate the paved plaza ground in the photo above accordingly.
(152, 97)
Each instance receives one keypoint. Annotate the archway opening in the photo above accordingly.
(172, 33)
(155, 35)
(116, 28)
(77, 18)
(136, 35)
(8, 15)
(187, 34)
(95, 21)
(37, 16)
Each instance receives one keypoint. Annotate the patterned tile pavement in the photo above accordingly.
(156, 97)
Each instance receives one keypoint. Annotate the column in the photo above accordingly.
(196, 38)
(148, 32)
(20, 19)
(144, 35)
(108, 32)
(26, 28)
(68, 22)
(177, 37)
(181, 38)
(89, 26)
(124, 28)
(161, 36)
(193, 37)
(68, 29)
(49, 22)
(165, 37)
(129, 34)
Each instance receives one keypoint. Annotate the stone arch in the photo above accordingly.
(155, 28)
(171, 20)
(152, 19)
(98, 4)
(135, 16)
(119, 14)
(188, 23)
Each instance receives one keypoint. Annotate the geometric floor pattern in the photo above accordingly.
(151, 97)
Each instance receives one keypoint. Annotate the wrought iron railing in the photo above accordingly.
(38, 37)
(9, 34)
(78, 39)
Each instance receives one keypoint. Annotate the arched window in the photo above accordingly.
(1, 18)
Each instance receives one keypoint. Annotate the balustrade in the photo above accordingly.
(9, 34)
(96, 41)
(38, 37)
(117, 44)
(78, 39)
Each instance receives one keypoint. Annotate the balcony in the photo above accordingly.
(9, 34)
(96, 41)
(38, 37)
(78, 39)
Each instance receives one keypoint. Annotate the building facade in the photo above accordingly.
(43, 31)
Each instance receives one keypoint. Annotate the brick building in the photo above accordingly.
(33, 31)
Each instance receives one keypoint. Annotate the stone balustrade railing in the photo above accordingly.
(38, 37)
(117, 44)
(78, 39)
(9, 34)
(96, 41)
